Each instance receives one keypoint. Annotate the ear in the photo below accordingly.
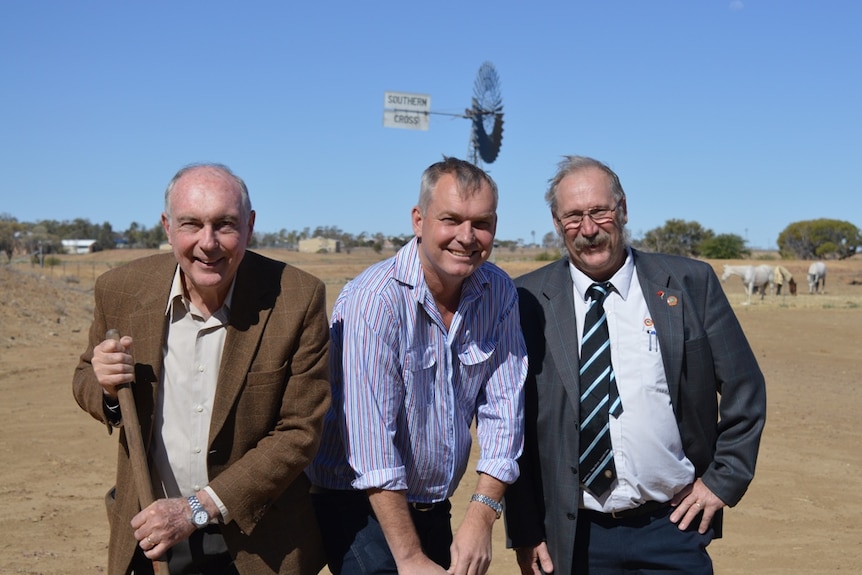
(625, 211)
(560, 231)
(251, 217)
(166, 225)
(416, 217)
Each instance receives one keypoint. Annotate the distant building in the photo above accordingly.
(78, 246)
(318, 245)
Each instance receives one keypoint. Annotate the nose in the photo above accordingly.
(588, 227)
(209, 237)
(465, 233)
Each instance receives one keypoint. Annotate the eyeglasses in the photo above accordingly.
(598, 215)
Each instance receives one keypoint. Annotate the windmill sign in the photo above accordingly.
(412, 112)
(405, 110)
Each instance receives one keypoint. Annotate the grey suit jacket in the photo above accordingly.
(271, 396)
(705, 354)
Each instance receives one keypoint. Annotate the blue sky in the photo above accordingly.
(744, 115)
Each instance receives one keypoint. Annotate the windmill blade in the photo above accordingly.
(488, 145)
(487, 114)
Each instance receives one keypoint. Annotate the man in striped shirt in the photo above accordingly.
(422, 344)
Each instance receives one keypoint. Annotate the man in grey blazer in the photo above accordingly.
(678, 454)
(227, 355)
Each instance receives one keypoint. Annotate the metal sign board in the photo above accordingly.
(405, 110)
(406, 102)
(405, 120)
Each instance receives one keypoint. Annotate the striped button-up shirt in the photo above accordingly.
(406, 390)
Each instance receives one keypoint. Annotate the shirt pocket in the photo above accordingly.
(420, 374)
(475, 360)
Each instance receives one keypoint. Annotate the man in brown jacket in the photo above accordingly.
(228, 355)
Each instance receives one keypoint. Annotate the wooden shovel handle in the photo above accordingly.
(137, 454)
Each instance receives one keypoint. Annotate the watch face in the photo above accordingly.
(201, 517)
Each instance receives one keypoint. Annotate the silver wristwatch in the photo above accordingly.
(200, 516)
(495, 505)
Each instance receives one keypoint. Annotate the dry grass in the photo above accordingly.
(844, 278)
(797, 518)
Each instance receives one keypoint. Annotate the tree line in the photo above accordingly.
(811, 239)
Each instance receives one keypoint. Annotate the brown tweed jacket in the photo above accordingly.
(272, 394)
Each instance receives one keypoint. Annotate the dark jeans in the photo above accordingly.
(353, 539)
(203, 553)
(647, 544)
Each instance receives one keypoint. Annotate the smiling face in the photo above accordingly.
(456, 233)
(209, 230)
(598, 250)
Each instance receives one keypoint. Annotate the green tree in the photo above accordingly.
(675, 237)
(724, 247)
(551, 240)
(9, 228)
(821, 238)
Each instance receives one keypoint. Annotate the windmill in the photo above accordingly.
(412, 111)
(486, 115)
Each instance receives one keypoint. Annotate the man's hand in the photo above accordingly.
(692, 500)
(163, 524)
(392, 512)
(113, 364)
(471, 546)
(531, 559)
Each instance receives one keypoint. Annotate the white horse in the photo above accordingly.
(752, 277)
(817, 277)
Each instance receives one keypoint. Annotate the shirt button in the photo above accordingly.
(201, 368)
(197, 449)
(199, 408)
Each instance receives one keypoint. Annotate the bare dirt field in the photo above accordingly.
(801, 515)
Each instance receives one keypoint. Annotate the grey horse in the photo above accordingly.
(817, 277)
(753, 277)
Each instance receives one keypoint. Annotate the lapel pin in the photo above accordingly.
(672, 301)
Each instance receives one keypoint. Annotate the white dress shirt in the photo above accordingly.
(648, 454)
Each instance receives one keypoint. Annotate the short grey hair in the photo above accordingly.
(572, 164)
(243, 189)
(469, 178)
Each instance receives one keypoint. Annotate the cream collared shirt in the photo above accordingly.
(192, 355)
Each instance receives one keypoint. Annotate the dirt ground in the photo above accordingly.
(801, 514)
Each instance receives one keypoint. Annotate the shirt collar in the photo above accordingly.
(621, 279)
(178, 292)
(408, 271)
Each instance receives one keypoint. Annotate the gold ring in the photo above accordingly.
(150, 541)
(698, 503)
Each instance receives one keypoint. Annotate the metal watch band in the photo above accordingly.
(495, 505)
(197, 508)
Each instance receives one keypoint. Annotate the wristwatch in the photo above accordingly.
(495, 505)
(200, 516)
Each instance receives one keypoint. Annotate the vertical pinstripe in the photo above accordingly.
(406, 390)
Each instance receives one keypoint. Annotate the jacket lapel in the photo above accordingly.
(666, 306)
(147, 324)
(563, 346)
(250, 309)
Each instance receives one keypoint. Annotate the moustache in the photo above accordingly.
(601, 239)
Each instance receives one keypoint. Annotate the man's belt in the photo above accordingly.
(425, 507)
(647, 508)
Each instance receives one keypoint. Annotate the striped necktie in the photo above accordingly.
(599, 396)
